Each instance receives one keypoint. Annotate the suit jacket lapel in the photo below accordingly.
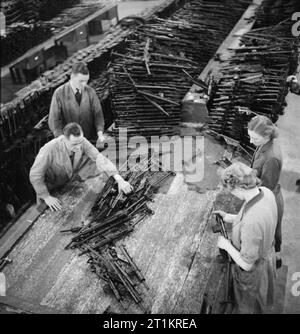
(72, 98)
(84, 99)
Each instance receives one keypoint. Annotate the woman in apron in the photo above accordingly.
(267, 161)
(252, 245)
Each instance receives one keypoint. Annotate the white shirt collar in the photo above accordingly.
(74, 88)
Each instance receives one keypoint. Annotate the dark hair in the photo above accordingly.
(239, 175)
(263, 126)
(80, 68)
(72, 129)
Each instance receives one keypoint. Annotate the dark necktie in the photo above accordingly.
(78, 96)
(72, 154)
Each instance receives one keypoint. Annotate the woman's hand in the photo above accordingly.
(223, 243)
(221, 213)
(227, 217)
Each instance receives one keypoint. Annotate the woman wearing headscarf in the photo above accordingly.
(252, 240)
(267, 161)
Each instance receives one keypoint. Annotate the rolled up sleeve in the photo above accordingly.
(103, 164)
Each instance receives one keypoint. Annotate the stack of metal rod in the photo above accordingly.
(149, 105)
(32, 22)
(273, 12)
(115, 215)
(253, 81)
(20, 38)
(160, 62)
(32, 10)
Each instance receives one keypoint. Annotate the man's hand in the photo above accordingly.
(123, 185)
(223, 243)
(101, 137)
(53, 203)
(100, 140)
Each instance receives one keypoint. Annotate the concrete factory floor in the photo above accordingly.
(289, 125)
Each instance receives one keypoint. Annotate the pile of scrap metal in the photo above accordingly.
(32, 10)
(21, 37)
(116, 267)
(273, 12)
(29, 23)
(253, 80)
(161, 60)
(113, 216)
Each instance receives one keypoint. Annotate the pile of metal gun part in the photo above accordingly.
(31, 22)
(161, 61)
(113, 216)
(253, 80)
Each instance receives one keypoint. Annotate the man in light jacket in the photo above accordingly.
(57, 161)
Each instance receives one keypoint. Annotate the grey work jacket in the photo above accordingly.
(53, 166)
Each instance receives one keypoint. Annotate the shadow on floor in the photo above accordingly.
(288, 180)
